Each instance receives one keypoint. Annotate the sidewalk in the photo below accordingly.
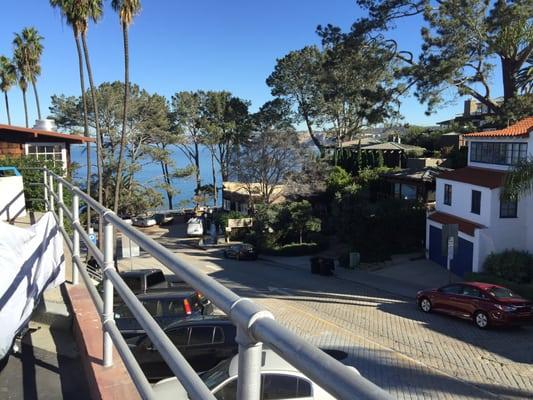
(402, 279)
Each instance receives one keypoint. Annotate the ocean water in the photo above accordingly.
(150, 173)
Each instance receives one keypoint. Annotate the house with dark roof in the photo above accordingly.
(40, 142)
(471, 198)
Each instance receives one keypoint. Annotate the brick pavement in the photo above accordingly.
(411, 354)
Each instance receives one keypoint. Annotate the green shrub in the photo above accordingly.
(293, 249)
(512, 265)
(524, 290)
(32, 178)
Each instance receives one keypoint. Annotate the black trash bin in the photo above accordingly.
(327, 266)
(315, 265)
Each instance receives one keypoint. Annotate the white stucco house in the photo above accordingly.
(470, 197)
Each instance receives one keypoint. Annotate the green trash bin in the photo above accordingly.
(355, 259)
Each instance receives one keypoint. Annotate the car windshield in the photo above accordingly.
(502, 293)
(216, 375)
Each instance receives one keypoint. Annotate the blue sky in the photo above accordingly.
(189, 45)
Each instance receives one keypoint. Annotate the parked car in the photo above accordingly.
(164, 218)
(484, 303)
(166, 306)
(242, 251)
(147, 279)
(204, 341)
(279, 380)
(144, 221)
(195, 227)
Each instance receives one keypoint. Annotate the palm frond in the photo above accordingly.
(519, 180)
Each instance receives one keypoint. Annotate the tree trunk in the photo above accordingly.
(97, 127)
(34, 84)
(124, 118)
(509, 71)
(25, 107)
(85, 123)
(197, 165)
(301, 236)
(215, 193)
(7, 109)
(313, 137)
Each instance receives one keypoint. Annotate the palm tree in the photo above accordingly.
(30, 44)
(70, 12)
(519, 180)
(8, 78)
(127, 9)
(22, 75)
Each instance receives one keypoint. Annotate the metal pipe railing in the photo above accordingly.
(254, 324)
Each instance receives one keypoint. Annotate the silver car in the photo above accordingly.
(279, 380)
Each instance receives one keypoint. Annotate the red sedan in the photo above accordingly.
(484, 303)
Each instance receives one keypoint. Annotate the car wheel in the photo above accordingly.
(238, 257)
(481, 319)
(225, 254)
(425, 304)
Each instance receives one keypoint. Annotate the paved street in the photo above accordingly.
(392, 343)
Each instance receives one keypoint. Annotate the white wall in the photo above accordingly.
(462, 201)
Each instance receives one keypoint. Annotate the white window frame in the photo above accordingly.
(63, 150)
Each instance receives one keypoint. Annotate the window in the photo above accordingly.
(54, 152)
(228, 391)
(472, 292)
(133, 283)
(448, 194)
(276, 386)
(498, 153)
(452, 289)
(201, 335)
(180, 337)
(476, 202)
(155, 279)
(219, 335)
(508, 208)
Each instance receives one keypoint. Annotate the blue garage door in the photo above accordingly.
(462, 263)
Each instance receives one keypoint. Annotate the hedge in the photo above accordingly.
(511, 265)
(524, 290)
(293, 249)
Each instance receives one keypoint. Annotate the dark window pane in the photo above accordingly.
(174, 308)
(471, 291)
(448, 194)
(133, 283)
(476, 202)
(304, 388)
(228, 391)
(201, 335)
(155, 278)
(151, 306)
(277, 387)
(508, 208)
(179, 337)
(219, 335)
(452, 289)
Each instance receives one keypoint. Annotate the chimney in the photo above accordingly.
(45, 125)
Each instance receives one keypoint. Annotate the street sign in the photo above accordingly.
(450, 240)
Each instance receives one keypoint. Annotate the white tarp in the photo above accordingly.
(31, 260)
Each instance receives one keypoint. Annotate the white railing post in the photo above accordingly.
(45, 178)
(249, 374)
(75, 236)
(51, 186)
(61, 203)
(108, 290)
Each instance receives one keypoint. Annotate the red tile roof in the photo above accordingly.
(74, 139)
(488, 178)
(522, 128)
(465, 225)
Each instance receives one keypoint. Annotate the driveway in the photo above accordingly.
(410, 354)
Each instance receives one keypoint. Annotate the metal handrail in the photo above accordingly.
(254, 324)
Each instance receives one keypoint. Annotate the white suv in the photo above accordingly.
(279, 381)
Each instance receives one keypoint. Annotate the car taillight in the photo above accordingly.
(187, 307)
